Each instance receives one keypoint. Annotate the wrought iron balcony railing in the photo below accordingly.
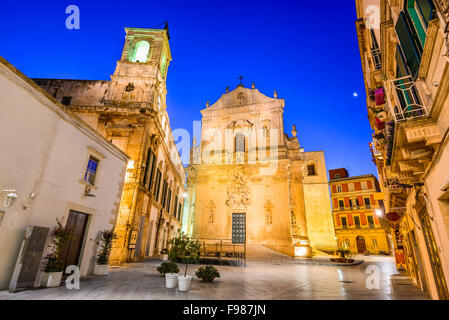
(405, 100)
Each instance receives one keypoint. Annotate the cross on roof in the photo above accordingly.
(241, 79)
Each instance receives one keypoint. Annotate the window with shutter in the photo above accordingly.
(412, 51)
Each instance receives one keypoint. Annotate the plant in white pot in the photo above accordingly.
(102, 263)
(170, 270)
(53, 266)
(189, 252)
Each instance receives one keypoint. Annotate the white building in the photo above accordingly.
(59, 168)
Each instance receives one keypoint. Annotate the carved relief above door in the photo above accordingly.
(238, 193)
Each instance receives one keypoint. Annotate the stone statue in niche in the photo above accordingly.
(268, 212)
(293, 219)
(211, 209)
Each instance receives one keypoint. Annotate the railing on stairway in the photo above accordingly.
(222, 250)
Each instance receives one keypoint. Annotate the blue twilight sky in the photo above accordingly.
(306, 50)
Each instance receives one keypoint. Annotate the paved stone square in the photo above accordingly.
(267, 275)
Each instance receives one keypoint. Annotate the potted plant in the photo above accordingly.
(207, 273)
(343, 252)
(102, 262)
(53, 266)
(187, 251)
(170, 270)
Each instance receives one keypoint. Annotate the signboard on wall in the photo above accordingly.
(133, 239)
(30, 256)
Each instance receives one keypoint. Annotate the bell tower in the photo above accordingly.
(139, 80)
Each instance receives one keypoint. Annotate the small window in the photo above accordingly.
(351, 186)
(66, 101)
(341, 204)
(337, 176)
(311, 170)
(371, 222)
(91, 170)
(344, 223)
(375, 243)
(338, 188)
(357, 222)
(364, 185)
(367, 203)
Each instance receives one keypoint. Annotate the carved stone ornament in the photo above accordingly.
(240, 124)
(237, 193)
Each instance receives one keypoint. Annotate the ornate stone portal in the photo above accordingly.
(246, 168)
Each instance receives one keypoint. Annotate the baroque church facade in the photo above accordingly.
(130, 111)
(250, 183)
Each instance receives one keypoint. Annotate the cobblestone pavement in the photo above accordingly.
(267, 275)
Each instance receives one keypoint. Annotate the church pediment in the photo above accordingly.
(241, 97)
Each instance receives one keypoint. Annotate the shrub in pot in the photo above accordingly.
(53, 266)
(170, 270)
(207, 273)
(343, 252)
(102, 262)
(188, 251)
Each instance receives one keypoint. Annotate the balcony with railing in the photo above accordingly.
(373, 66)
(405, 100)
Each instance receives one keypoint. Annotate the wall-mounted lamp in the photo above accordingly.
(87, 192)
(10, 197)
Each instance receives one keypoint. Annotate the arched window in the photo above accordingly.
(140, 53)
(240, 142)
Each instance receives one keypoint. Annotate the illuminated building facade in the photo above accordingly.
(404, 54)
(358, 226)
(130, 111)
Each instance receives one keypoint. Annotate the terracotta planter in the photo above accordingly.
(164, 257)
(101, 269)
(184, 283)
(51, 279)
(171, 280)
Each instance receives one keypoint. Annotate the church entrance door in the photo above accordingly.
(238, 228)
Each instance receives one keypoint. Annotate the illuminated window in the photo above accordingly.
(351, 186)
(140, 53)
(91, 170)
(338, 188)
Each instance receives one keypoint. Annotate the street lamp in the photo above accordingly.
(379, 212)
